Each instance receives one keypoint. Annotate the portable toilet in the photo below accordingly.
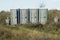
(13, 16)
(24, 16)
(43, 16)
(33, 15)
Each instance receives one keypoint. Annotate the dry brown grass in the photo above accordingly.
(23, 33)
(26, 34)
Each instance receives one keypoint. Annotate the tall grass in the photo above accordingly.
(49, 31)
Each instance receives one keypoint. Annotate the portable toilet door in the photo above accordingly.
(34, 15)
(13, 16)
(24, 16)
(43, 16)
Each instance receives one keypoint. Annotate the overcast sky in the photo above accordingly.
(9, 4)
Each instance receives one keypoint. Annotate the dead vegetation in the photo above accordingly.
(49, 31)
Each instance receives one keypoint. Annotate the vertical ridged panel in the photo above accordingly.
(43, 15)
(13, 16)
(33, 15)
(24, 16)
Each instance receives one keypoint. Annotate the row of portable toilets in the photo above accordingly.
(25, 16)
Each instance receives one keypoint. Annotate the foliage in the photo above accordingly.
(49, 31)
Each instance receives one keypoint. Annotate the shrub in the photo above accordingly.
(5, 35)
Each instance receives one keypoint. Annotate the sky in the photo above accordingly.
(15, 4)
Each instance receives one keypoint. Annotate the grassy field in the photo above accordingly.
(49, 31)
(22, 33)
